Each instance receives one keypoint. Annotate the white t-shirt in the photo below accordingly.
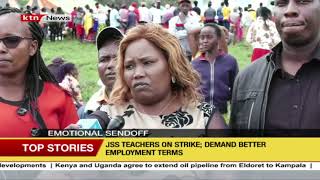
(114, 18)
(145, 14)
(181, 32)
(156, 15)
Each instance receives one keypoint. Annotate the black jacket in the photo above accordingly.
(250, 93)
(251, 90)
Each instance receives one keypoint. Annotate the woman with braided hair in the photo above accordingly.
(29, 94)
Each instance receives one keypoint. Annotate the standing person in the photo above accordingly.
(53, 28)
(78, 21)
(156, 13)
(180, 25)
(26, 85)
(262, 35)
(114, 17)
(220, 14)
(281, 91)
(196, 8)
(60, 25)
(96, 8)
(145, 14)
(217, 69)
(246, 19)
(210, 14)
(88, 25)
(252, 13)
(71, 24)
(226, 14)
(107, 44)
(102, 17)
(136, 10)
(146, 101)
(123, 12)
(258, 12)
(28, 9)
(44, 25)
(233, 20)
(35, 10)
(132, 18)
(86, 8)
(239, 27)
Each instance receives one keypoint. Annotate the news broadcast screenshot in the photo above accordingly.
(159, 89)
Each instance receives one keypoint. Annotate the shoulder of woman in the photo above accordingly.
(116, 109)
(54, 89)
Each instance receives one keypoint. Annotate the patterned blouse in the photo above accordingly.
(71, 84)
(187, 117)
(263, 38)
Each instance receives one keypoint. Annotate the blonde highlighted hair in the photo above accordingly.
(187, 79)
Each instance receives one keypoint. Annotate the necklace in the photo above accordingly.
(162, 109)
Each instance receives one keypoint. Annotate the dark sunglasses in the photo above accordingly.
(12, 41)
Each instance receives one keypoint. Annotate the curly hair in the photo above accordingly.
(187, 79)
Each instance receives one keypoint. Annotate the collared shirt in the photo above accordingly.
(294, 101)
(97, 99)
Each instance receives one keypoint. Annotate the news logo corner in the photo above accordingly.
(45, 18)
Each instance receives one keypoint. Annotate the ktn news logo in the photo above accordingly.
(45, 18)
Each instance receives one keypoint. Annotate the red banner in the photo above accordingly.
(50, 147)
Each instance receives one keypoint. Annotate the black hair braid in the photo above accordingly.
(36, 70)
(9, 10)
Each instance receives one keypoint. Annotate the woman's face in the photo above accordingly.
(146, 72)
(15, 60)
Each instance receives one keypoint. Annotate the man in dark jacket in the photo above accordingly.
(217, 69)
(282, 89)
(196, 8)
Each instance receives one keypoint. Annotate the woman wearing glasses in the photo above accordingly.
(29, 94)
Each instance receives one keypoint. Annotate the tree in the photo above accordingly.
(23, 3)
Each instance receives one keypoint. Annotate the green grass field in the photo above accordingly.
(84, 55)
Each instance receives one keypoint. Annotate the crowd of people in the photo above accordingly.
(176, 74)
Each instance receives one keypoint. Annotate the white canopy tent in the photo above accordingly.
(12, 3)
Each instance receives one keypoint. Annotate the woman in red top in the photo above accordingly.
(29, 94)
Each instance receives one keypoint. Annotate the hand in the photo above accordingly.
(73, 126)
